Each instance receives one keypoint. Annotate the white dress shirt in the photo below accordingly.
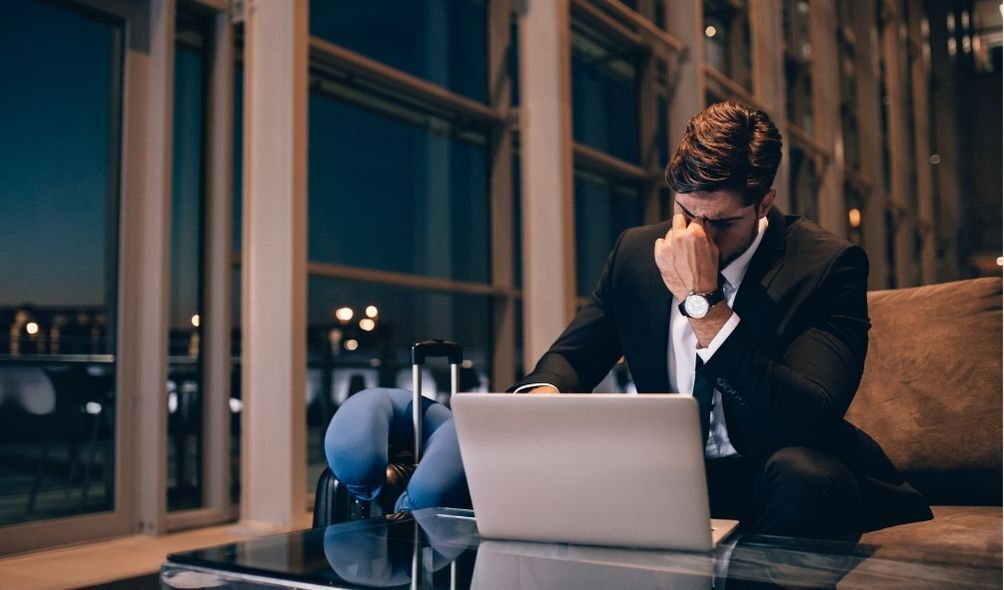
(683, 349)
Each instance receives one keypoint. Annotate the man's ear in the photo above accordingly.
(766, 203)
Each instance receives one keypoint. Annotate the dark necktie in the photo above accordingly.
(704, 394)
(704, 391)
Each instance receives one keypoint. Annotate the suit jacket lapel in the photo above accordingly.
(752, 295)
(766, 263)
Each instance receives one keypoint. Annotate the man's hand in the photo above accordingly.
(544, 389)
(687, 259)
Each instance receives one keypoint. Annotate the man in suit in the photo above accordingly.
(762, 316)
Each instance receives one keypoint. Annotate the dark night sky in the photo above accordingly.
(53, 155)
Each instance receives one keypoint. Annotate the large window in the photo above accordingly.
(727, 46)
(59, 190)
(604, 95)
(442, 41)
(185, 398)
(603, 209)
(798, 63)
(395, 189)
(399, 234)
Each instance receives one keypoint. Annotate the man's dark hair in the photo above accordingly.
(727, 146)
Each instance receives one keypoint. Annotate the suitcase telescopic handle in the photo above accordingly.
(435, 349)
(420, 351)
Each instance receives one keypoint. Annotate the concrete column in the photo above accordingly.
(547, 186)
(501, 199)
(147, 301)
(869, 105)
(767, 40)
(218, 269)
(919, 71)
(947, 172)
(273, 453)
(901, 154)
(826, 107)
(684, 20)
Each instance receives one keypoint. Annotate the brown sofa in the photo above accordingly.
(931, 396)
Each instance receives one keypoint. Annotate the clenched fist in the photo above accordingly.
(687, 258)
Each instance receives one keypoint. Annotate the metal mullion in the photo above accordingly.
(648, 133)
(217, 280)
(609, 25)
(367, 275)
(643, 23)
(805, 141)
(595, 159)
(215, 5)
(732, 86)
(859, 180)
(338, 56)
(500, 196)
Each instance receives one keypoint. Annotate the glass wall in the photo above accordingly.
(442, 41)
(398, 185)
(188, 202)
(727, 44)
(604, 94)
(606, 117)
(58, 259)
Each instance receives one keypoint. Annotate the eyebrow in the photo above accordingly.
(736, 218)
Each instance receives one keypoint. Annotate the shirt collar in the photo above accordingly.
(736, 269)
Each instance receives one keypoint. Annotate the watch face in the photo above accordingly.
(696, 306)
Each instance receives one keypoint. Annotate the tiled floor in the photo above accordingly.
(106, 561)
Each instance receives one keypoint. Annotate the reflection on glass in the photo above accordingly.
(604, 95)
(442, 41)
(603, 209)
(343, 357)
(59, 177)
(727, 41)
(804, 183)
(395, 189)
(184, 368)
(797, 63)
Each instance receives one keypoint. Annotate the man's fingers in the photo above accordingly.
(679, 222)
(696, 228)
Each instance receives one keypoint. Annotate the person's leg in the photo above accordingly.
(800, 492)
(730, 486)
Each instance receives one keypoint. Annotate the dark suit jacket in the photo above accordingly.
(788, 372)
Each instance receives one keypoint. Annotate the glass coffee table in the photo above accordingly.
(441, 548)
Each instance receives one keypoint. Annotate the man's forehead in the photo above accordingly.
(712, 204)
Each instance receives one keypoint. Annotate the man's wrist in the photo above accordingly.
(707, 328)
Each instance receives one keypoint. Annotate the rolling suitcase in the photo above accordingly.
(332, 501)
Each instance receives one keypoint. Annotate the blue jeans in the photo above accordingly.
(367, 423)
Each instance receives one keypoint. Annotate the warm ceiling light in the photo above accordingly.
(854, 217)
(351, 344)
(344, 314)
(32, 328)
(372, 311)
(367, 325)
(195, 320)
(710, 31)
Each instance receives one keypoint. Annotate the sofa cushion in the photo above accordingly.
(931, 390)
(961, 529)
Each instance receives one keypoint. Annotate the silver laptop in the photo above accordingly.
(594, 469)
